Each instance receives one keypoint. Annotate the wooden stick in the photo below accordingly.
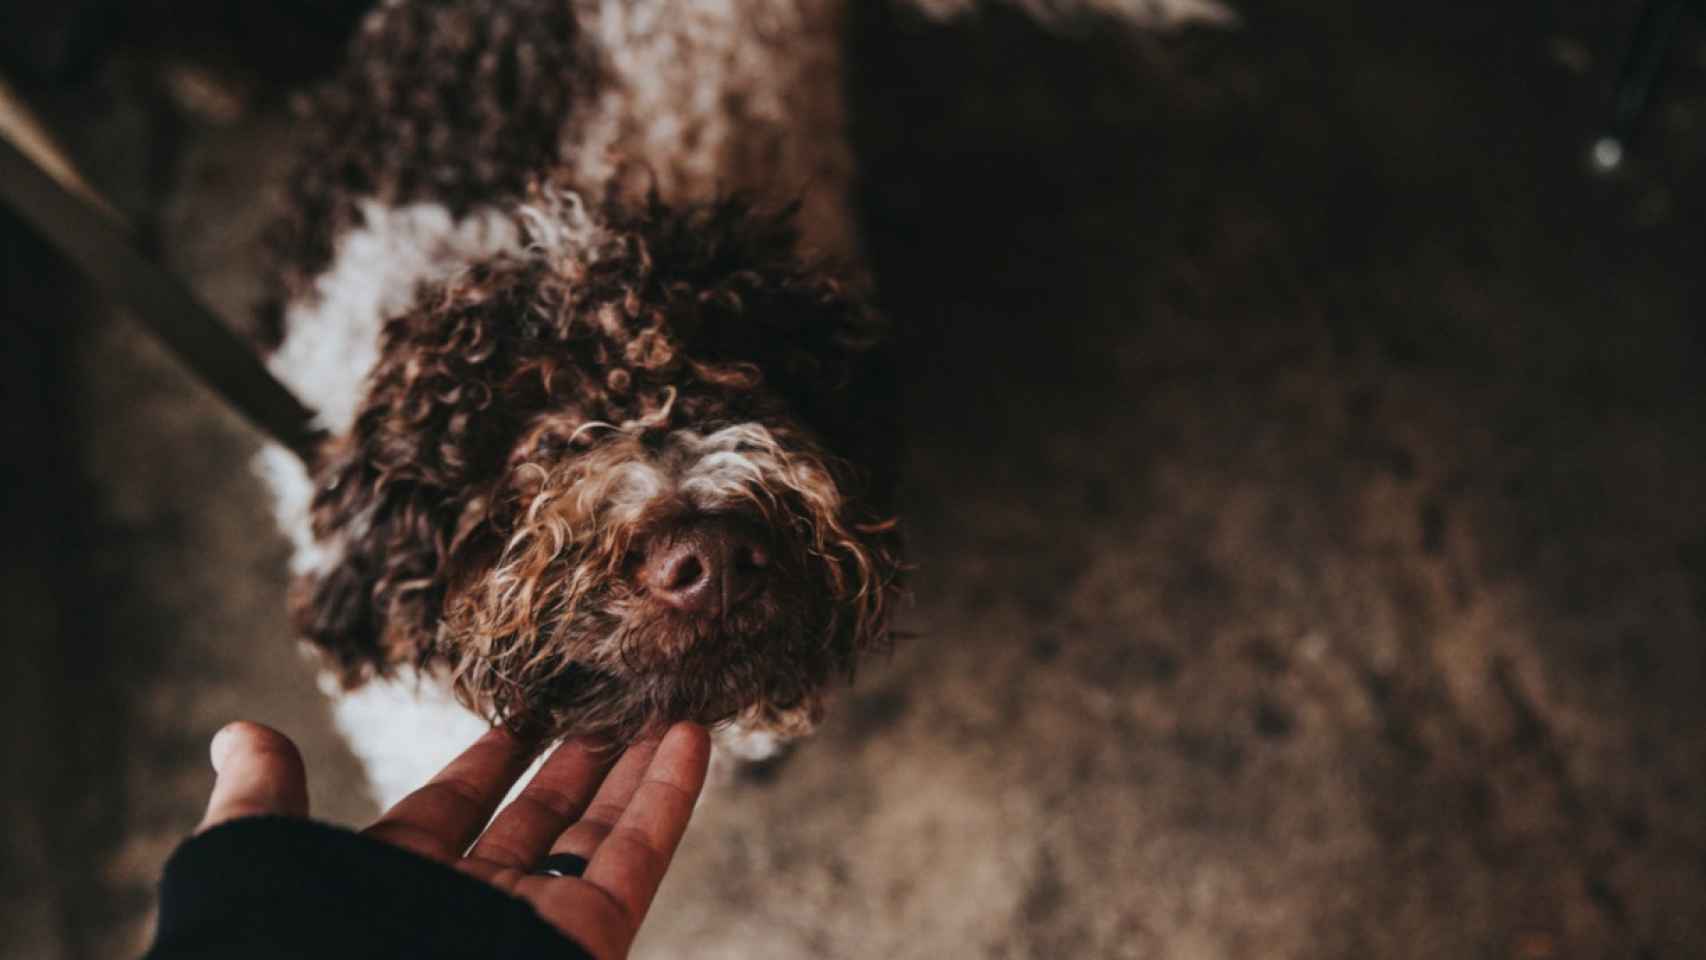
(27, 133)
(39, 181)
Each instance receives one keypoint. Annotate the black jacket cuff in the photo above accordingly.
(274, 887)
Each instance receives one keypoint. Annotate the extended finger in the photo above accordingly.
(585, 834)
(631, 861)
(439, 819)
(553, 799)
(257, 771)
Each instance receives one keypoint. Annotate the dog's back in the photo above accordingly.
(461, 104)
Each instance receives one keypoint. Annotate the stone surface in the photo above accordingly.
(1305, 494)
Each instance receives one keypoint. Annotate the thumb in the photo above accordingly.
(258, 771)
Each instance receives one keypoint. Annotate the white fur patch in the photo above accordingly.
(710, 471)
(331, 341)
(560, 230)
(748, 744)
(674, 64)
(292, 488)
(403, 730)
(713, 96)
(722, 468)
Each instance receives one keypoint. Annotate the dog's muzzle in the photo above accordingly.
(706, 567)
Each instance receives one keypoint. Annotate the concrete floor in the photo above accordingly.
(1305, 493)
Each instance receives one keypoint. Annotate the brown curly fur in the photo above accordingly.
(460, 102)
(477, 496)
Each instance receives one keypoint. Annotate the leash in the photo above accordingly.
(40, 183)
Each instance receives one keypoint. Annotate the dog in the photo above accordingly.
(576, 290)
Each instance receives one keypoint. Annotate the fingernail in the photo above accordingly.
(221, 746)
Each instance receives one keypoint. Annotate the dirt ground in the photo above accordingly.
(1307, 457)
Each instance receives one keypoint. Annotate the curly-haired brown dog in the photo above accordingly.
(575, 289)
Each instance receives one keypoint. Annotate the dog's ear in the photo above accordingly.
(443, 407)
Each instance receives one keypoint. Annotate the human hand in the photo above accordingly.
(623, 818)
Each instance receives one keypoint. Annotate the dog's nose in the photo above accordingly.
(706, 567)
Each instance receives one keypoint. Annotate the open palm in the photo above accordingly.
(622, 816)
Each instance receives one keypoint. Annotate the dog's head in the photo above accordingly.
(638, 473)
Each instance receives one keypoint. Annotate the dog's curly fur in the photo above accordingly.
(569, 368)
(536, 417)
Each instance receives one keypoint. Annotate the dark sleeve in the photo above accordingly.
(263, 888)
